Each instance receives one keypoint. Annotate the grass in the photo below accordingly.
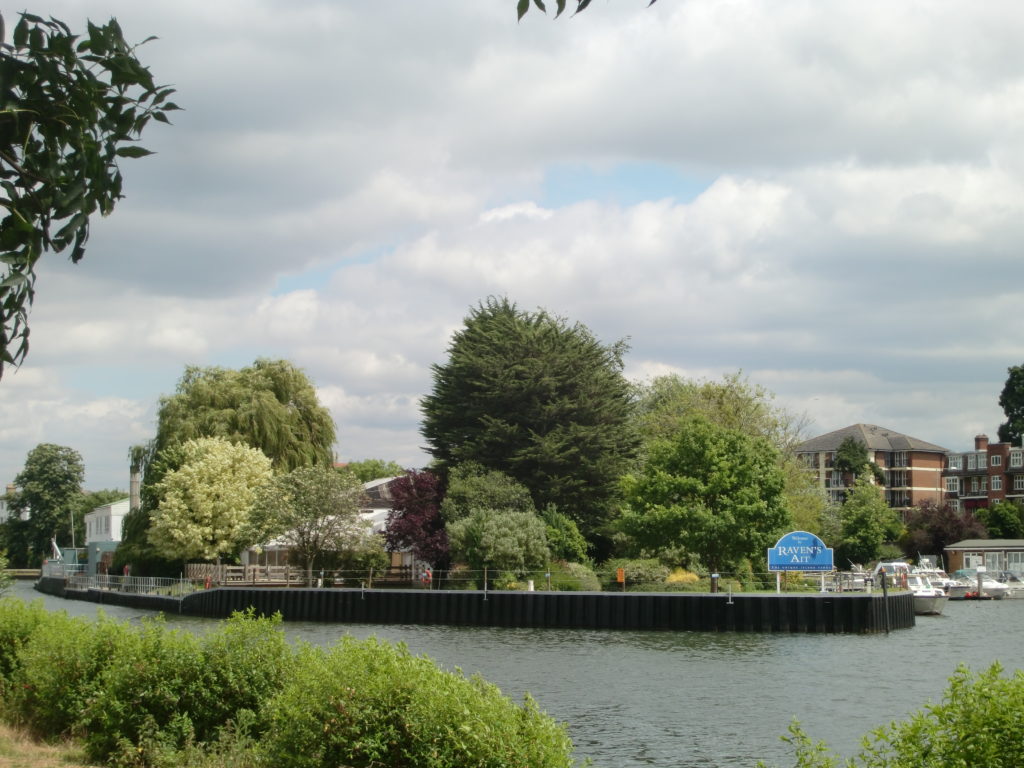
(19, 750)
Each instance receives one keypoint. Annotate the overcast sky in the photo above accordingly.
(828, 196)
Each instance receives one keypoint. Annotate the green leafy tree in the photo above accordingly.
(270, 405)
(71, 107)
(714, 492)
(47, 489)
(374, 469)
(667, 403)
(472, 486)
(205, 503)
(565, 542)
(1011, 400)
(852, 458)
(313, 510)
(539, 399)
(511, 542)
(1002, 520)
(866, 523)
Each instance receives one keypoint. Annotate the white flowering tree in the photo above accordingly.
(205, 504)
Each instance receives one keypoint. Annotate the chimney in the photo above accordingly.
(10, 489)
(981, 442)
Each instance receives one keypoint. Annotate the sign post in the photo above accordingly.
(799, 551)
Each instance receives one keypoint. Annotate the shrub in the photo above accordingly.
(146, 699)
(638, 573)
(573, 577)
(172, 688)
(367, 703)
(58, 667)
(682, 576)
(977, 724)
(18, 620)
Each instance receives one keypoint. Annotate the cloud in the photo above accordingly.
(347, 181)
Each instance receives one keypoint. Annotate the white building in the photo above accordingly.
(104, 523)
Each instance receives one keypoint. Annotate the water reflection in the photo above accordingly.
(694, 699)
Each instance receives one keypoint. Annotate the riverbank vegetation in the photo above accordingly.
(976, 725)
(241, 695)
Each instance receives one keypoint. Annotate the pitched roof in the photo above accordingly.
(874, 437)
(988, 544)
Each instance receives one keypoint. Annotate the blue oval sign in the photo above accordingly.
(799, 551)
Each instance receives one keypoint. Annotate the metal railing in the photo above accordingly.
(136, 585)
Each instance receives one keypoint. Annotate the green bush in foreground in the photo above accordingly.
(978, 724)
(243, 696)
(373, 704)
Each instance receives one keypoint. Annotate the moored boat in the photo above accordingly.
(929, 600)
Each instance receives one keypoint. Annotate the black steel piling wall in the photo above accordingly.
(848, 612)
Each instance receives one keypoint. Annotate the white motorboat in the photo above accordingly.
(966, 586)
(929, 600)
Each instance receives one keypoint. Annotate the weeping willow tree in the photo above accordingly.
(271, 405)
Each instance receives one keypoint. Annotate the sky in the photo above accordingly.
(825, 195)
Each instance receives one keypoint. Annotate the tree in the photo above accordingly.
(539, 399)
(313, 510)
(374, 469)
(415, 522)
(866, 522)
(46, 490)
(70, 108)
(271, 405)
(932, 527)
(852, 458)
(565, 542)
(472, 486)
(1002, 520)
(1011, 400)
(522, 6)
(715, 492)
(667, 403)
(507, 541)
(205, 503)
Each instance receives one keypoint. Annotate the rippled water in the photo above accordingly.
(696, 699)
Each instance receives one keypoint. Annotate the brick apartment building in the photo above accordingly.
(991, 472)
(913, 468)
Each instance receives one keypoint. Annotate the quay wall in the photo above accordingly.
(760, 612)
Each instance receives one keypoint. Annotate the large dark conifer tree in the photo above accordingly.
(539, 399)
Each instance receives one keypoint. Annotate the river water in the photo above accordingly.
(690, 699)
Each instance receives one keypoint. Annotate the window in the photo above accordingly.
(1018, 482)
(899, 459)
(984, 485)
(974, 485)
(836, 479)
(956, 462)
(997, 483)
(952, 485)
(972, 461)
(1017, 458)
(997, 460)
